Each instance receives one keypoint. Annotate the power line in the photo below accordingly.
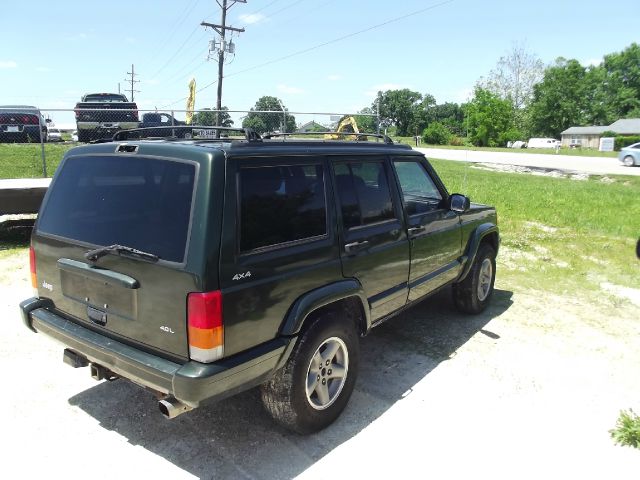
(344, 37)
(176, 53)
(324, 44)
(176, 24)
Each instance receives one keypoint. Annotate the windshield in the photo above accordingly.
(139, 202)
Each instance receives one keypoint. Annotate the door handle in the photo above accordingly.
(416, 230)
(355, 246)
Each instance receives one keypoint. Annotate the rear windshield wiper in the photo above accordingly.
(93, 255)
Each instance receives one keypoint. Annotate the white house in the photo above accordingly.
(589, 137)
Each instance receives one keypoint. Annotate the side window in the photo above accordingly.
(363, 189)
(418, 189)
(280, 204)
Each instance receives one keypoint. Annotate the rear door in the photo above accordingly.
(433, 229)
(375, 248)
(138, 202)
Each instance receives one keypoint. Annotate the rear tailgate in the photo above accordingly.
(140, 202)
(106, 112)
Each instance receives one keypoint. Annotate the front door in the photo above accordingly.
(433, 229)
(375, 248)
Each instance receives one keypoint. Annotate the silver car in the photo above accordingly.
(630, 155)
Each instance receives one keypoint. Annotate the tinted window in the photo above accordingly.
(364, 194)
(418, 189)
(133, 201)
(281, 204)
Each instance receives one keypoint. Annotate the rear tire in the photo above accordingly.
(314, 386)
(84, 136)
(473, 294)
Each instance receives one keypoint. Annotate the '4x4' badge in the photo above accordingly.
(240, 276)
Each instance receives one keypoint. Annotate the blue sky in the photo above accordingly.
(54, 52)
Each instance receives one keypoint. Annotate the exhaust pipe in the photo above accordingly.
(171, 407)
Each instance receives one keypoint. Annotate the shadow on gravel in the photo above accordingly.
(237, 439)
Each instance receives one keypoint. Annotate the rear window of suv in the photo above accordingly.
(139, 202)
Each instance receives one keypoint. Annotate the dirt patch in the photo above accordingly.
(537, 372)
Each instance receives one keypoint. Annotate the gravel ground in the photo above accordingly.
(529, 389)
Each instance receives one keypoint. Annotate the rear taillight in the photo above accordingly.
(206, 327)
(32, 268)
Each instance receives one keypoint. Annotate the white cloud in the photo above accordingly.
(290, 90)
(592, 62)
(334, 78)
(252, 18)
(8, 64)
(373, 91)
(77, 37)
(463, 96)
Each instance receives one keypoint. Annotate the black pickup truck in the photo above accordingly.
(100, 115)
(164, 123)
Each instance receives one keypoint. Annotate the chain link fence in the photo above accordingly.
(33, 141)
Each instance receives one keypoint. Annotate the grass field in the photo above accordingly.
(558, 234)
(24, 160)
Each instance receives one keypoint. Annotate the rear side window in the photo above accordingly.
(138, 202)
(280, 204)
(364, 193)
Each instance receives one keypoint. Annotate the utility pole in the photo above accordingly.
(132, 79)
(222, 48)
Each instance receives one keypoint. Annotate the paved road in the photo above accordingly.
(591, 165)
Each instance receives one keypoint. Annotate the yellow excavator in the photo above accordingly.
(347, 124)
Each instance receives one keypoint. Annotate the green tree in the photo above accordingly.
(367, 123)
(489, 119)
(622, 81)
(208, 117)
(398, 107)
(449, 114)
(271, 120)
(560, 101)
(436, 134)
(420, 114)
(514, 78)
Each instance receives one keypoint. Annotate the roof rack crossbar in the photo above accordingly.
(249, 134)
(381, 136)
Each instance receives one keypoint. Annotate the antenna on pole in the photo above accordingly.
(220, 47)
(132, 80)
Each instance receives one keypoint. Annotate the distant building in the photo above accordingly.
(312, 126)
(589, 137)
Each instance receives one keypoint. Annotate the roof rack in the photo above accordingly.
(380, 136)
(249, 134)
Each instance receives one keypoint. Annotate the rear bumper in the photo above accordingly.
(193, 383)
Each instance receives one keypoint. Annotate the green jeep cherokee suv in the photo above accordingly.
(201, 268)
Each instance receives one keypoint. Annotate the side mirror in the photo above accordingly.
(459, 203)
(48, 120)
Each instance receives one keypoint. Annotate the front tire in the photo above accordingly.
(472, 295)
(313, 388)
(628, 161)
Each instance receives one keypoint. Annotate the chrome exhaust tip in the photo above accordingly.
(171, 407)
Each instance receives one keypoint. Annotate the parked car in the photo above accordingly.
(630, 156)
(74, 136)
(54, 135)
(543, 143)
(199, 269)
(22, 123)
(100, 115)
